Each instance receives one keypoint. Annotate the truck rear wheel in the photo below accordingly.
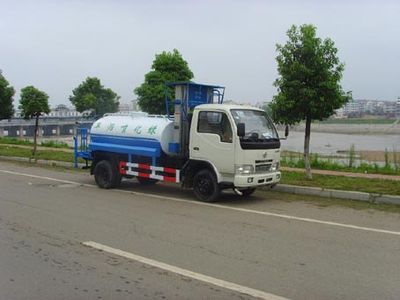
(205, 186)
(106, 175)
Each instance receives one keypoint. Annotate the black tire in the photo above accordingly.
(247, 192)
(106, 175)
(147, 181)
(205, 186)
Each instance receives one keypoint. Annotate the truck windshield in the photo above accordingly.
(257, 124)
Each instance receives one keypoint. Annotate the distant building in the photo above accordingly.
(339, 113)
(390, 108)
(135, 105)
(61, 110)
(352, 107)
(360, 107)
(398, 108)
(125, 106)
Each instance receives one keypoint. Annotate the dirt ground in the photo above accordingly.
(392, 157)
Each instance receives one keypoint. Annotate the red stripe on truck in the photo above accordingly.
(146, 175)
(122, 166)
(170, 170)
(169, 179)
(144, 166)
(148, 171)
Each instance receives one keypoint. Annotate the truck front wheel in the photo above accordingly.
(106, 176)
(205, 186)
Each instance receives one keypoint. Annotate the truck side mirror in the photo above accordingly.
(241, 129)
(286, 131)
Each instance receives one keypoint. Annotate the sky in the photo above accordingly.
(55, 45)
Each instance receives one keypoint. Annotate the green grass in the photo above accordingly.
(41, 154)
(14, 141)
(378, 186)
(25, 142)
(54, 144)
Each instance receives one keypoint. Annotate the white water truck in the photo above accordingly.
(205, 145)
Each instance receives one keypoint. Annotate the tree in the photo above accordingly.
(91, 95)
(308, 83)
(6, 98)
(267, 108)
(166, 67)
(33, 104)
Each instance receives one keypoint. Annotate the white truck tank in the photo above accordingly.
(136, 126)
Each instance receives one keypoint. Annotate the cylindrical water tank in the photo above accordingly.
(138, 126)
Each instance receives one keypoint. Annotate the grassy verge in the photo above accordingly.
(56, 155)
(54, 144)
(25, 142)
(295, 160)
(378, 186)
(14, 141)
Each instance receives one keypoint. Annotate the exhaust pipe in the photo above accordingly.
(237, 192)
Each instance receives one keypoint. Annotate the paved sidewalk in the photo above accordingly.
(346, 174)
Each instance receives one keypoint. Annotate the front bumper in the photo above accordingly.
(255, 180)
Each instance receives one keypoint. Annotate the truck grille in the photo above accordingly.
(263, 168)
(264, 161)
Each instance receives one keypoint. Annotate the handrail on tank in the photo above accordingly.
(81, 145)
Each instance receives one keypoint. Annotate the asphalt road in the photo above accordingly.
(178, 248)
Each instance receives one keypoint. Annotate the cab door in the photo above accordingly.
(211, 139)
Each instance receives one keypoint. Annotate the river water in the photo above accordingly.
(330, 143)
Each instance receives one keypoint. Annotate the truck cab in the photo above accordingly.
(239, 145)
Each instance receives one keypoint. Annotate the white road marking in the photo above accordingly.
(187, 273)
(264, 213)
(47, 178)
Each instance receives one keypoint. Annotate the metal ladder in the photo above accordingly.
(81, 146)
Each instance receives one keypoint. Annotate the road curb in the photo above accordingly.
(329, 193)
(285, 188)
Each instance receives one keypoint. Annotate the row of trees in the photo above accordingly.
(89, 95)
(308, 85)
(33, 104)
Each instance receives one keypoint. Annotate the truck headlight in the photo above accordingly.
(244, 169)
(275, 167)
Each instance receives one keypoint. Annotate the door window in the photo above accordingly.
(216, 123)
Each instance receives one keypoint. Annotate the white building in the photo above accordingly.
(61, 110)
